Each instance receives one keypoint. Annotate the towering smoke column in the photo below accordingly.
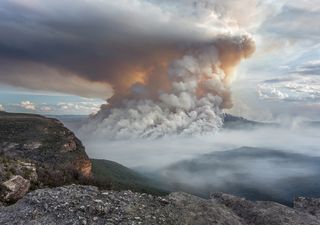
(163, 66)
(188, 97)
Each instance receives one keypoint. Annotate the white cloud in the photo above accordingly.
(26, 102)
(28, 105)
(46, 109)
(86, 107)
(295, 88)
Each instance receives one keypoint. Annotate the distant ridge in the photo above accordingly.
(236, 122)
(253, 173)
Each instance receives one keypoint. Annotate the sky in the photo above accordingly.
(14, 99)
(70, 57)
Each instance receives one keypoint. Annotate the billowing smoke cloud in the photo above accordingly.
(198, 90)
(104, 42)
(166, 65)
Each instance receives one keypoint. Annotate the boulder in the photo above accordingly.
(15, 188)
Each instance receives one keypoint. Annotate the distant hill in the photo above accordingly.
(112, 175)
(254, 173)
(236, 122)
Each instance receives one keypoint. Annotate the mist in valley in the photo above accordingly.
(254, 160)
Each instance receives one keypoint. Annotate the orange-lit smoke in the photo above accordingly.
(181, 93)
(153, 77)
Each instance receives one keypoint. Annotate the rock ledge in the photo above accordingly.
(77, 204)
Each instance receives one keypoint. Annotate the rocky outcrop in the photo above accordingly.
(264, 212)
(15, 188)
(308, 205)
(87, 205)
(40, 150)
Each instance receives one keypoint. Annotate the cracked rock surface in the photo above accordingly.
(77, 204)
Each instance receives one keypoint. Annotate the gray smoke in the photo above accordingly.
(199, 90)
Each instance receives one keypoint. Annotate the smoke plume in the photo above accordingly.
(190, 99)
(163, 66)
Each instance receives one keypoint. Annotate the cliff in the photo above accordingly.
(40, 150)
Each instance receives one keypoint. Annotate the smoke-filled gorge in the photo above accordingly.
(254, 160)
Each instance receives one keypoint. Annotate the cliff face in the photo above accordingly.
(87, 205)
(40, 150)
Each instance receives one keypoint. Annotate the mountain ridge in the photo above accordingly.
(253, 173)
